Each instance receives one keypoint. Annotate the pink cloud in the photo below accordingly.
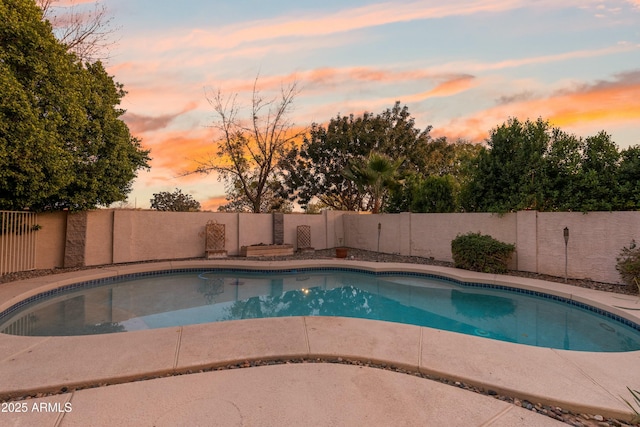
(322, 78)
(67, 3)
(317, 81)
(67, 12)
(338, 22)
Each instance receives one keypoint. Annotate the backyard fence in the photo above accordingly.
(17, 241)
(105, 237)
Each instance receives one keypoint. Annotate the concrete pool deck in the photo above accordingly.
(579, 381)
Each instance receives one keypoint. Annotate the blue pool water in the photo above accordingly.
(163, 300)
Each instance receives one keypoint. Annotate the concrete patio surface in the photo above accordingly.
(317, 394)
(281, 395)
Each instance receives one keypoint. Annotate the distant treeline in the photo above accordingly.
(523, 165)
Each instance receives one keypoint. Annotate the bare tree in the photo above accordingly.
(86, 32)
(248, 152)
(273, 199)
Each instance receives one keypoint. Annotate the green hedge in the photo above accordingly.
(477, 252)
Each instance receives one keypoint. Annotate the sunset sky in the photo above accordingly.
(461, 66)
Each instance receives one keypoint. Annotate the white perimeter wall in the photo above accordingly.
(118, 236)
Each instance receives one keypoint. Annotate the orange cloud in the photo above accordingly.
(175, 154)
(452, 86)
(607, 103)
(606, 106)
(474, 129)
(181, 152)
(213, 203)
(449, 87)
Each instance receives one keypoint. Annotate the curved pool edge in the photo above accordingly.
(624, 306)
(579, 381)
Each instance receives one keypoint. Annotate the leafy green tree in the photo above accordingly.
(441, 159)
(628, 178)
(508, 172)
(374, 177)
(435, 194)
(598, 186)
(531, 165)
(62, 142)
(562, 168)
(315, 208)
(401, 196)
(176, 202)
(314, 171)
(581, 175)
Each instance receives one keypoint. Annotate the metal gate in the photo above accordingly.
(18, 231)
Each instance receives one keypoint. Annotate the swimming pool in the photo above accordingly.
(163, 299)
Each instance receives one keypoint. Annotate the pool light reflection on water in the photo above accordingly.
(200, 297)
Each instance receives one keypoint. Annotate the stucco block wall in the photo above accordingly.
(595, 238)
(317, 224)
(431, 234)
(51, 240)
(254, 229)
(99, 247)
(526, 256)
(151, 235)
(424, 235)
(335, 228)
(361, 231)
(595, 241)
(117, 236)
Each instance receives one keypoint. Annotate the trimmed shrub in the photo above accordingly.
(629, 265)
(477, 252)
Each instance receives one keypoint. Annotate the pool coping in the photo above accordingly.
(578, 381)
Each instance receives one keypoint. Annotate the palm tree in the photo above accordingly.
(374, 175)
